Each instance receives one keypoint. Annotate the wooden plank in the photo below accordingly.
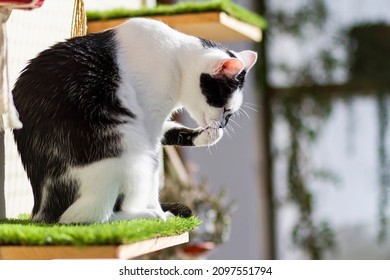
(129, 251)
(216, 26)
(243, 29)
(124, 251)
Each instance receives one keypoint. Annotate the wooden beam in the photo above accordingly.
(217, 26)
(123, 251)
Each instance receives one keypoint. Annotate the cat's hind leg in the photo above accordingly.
(98, 190)
(56, 196)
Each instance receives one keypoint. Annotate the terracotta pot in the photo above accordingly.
(197, 250)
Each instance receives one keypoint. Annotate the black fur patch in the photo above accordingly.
(119, 202)
(181, 136)
(60, 195)
(66, 99)
(177, 209)
(208, 44)
(219, 89)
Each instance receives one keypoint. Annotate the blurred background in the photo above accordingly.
(305, 172)
(310, 168)
(327, 79)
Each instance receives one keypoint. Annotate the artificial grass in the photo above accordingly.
(25, 232)
(226, 6)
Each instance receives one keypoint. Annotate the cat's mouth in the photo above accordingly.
(216, 124)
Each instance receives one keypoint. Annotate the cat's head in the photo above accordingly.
(214, 92)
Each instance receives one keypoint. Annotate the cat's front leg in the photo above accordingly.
(179, 135)
(140, 190)
(141, 214)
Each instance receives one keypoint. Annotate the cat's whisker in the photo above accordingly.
(209, 149)
(233, 121)
(231, 128)
(245, 113)
(249, 104)
(228, 134)
(212, 133)
(249, 107)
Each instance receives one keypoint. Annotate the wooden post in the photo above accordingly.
(266, 163)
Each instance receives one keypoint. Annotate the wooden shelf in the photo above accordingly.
(217, 26)
(124, 251)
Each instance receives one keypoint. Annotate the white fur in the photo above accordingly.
(160, 70)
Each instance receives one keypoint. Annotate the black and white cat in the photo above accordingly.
(96, 109)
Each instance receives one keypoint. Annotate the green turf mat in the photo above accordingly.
(24, 232)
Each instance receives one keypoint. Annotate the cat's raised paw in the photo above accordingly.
(208, 137)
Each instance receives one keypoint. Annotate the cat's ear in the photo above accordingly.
(230, 67)
(249, 58)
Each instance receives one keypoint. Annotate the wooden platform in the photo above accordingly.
(124, 251)
(216, 26)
